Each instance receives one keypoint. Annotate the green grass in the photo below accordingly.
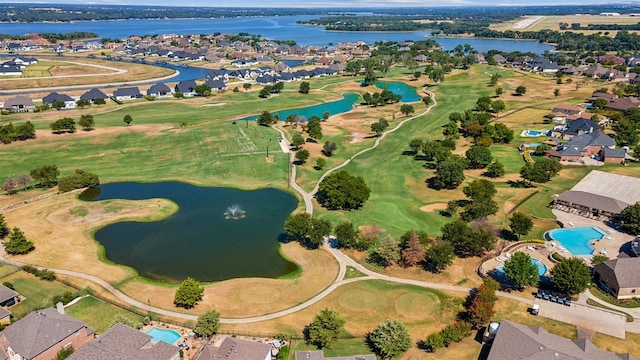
(342, 347)
(79, 211)
(606, 297)
(353, 273)
(38, 293)
(6, 269)
(98, 314)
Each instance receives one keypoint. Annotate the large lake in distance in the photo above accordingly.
(271, 27)
(216, 234)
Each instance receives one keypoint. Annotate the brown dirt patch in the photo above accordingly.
(76, 69)
(433, 207)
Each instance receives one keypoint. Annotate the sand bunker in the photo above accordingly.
(434, 207)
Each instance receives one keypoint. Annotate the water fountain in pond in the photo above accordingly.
(234, 212)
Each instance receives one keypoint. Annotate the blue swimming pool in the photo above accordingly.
(168, 336)
(542, 268)
(577, 241)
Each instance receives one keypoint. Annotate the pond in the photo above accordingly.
(333, 107)
(408, 93)
(216, 234)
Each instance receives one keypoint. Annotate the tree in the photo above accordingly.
(600, 103)
(341, 191)
(17, 243)
(495, 169)
(188, 293)
(380, 126)
(449, 174)
(329, 148)
(571, 276)
(521, 270)
(389, 339)
(439, 256)
(437, 75)
(4, 228)
(481, 193)
(127, 119)
(626, 132)
(304, 87)
(302, 155)
(265, 119)
(64, 353)
(265, 92)
(630, 219)
(82, 103)
(58, 104)
(407, 109)
(499, 91)
(78, 180)
(297, 140)
(417, 74)
(387, 253)
(326, 115)
(542, 171)
(325, 328)
(479, 157)
(556, 92)
(415, 145)
(369, 77)
(483, 104)
(121, 319)
(246, 86)
(207, 324)
(480, 311)
(46, 175)
(413, 252)
(65, 124)
(202, 90)
(347, 235)
(498, 106)
(314, 128)
(320, 163)
(521, 90)
(469, 240)
(494, 79)
(9, 185)
(520, 224)
(99, 101)
(87, 122)
(307, 231)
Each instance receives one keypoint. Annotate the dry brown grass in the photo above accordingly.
(75, 69)
(251, 296)
(630, 345)
(553, 23)
(64, 240)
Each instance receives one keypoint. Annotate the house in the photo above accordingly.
(159, 90)
(216, 84)
(53, 97)
(586, 145)
(619, 277)
(121, 342)
(319, 355)
(10, 70)
(515, 341)
(613, 156)
(42, 333)
(499, 59)
(266, 80)
(128, 93)
(19, 104)
(187, 87)
(568, 109)
(235, 349)
(576, 127)
(623, 104)
(94, 94)
(543, 64)
(8, 297)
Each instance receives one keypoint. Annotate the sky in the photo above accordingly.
(332, 3)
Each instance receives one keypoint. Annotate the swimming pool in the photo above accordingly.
(542, 268)
(534, 133)
(577, 241)
(168, 336)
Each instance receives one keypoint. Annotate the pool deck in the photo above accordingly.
(609, 245)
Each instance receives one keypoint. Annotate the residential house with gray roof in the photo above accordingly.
(515, 341)
(159, 90)
(65, 99)
(127, 93)
(619, 277)
(187, 87)
(19, 104)
(94, 94)
(121, 342)
(235, 349)
(42, 333)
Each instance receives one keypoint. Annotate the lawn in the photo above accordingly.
(38, 293)
(630, 345)
(98, 314)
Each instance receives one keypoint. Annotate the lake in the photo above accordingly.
(272, 27)
(200, 240)
(333, 107)
(408, 93)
